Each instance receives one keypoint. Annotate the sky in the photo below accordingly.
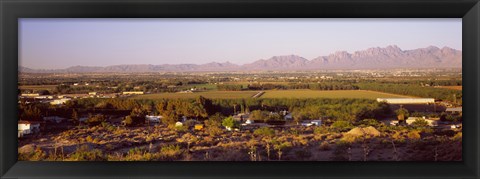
(54, 43)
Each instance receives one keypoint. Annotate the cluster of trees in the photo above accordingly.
(334, 86)
(342, 110)
(265, 116)
(173, 109)
(29, 112)
(288, 86)
(415, 90)
(229, 87)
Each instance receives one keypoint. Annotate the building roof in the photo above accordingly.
(457, 109)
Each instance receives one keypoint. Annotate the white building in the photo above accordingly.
(317, 122)
(454, 110)
(28, 127)
(132, 92)
(30, 95)
(153, 118)
(59, 101)
(406, 100)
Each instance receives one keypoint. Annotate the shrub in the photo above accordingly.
(342, 126)
(83, 153)
(36, 155)
(413, 135)
(369, 122)
(420, 123)
(170, 151)
(264, 131)
(230, 122)
(320, 130)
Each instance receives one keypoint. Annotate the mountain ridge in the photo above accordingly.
(372, 58)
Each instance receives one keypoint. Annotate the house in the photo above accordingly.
(59, 101)
(28, 127)
(311, 123)
(198, 126)
(407, 100)
(307, 124)
(317, 122)
(430, 122)
(153, 118)
(132, 92)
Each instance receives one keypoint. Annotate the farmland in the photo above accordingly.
(219, 117)
(360, 94)
(206, 94)
(328, 94)
(451, 87)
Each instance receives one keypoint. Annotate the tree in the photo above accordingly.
(230, 123)
(402, 114)
(264, 131)
(188, 138)
(258, 115)
(420, 123)
(213, 124)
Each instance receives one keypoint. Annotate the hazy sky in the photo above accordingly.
(61, 43)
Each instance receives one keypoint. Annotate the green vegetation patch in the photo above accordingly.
(362, 94)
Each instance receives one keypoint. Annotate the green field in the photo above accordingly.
(328, 94)
(275, 94)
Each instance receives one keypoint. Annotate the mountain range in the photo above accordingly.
(389, 57)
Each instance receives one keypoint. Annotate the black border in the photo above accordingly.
(10, 10)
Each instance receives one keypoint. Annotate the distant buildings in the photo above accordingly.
(132, 92)
(454, 110)
(407, 100)
(59, 101)
(30, 94)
